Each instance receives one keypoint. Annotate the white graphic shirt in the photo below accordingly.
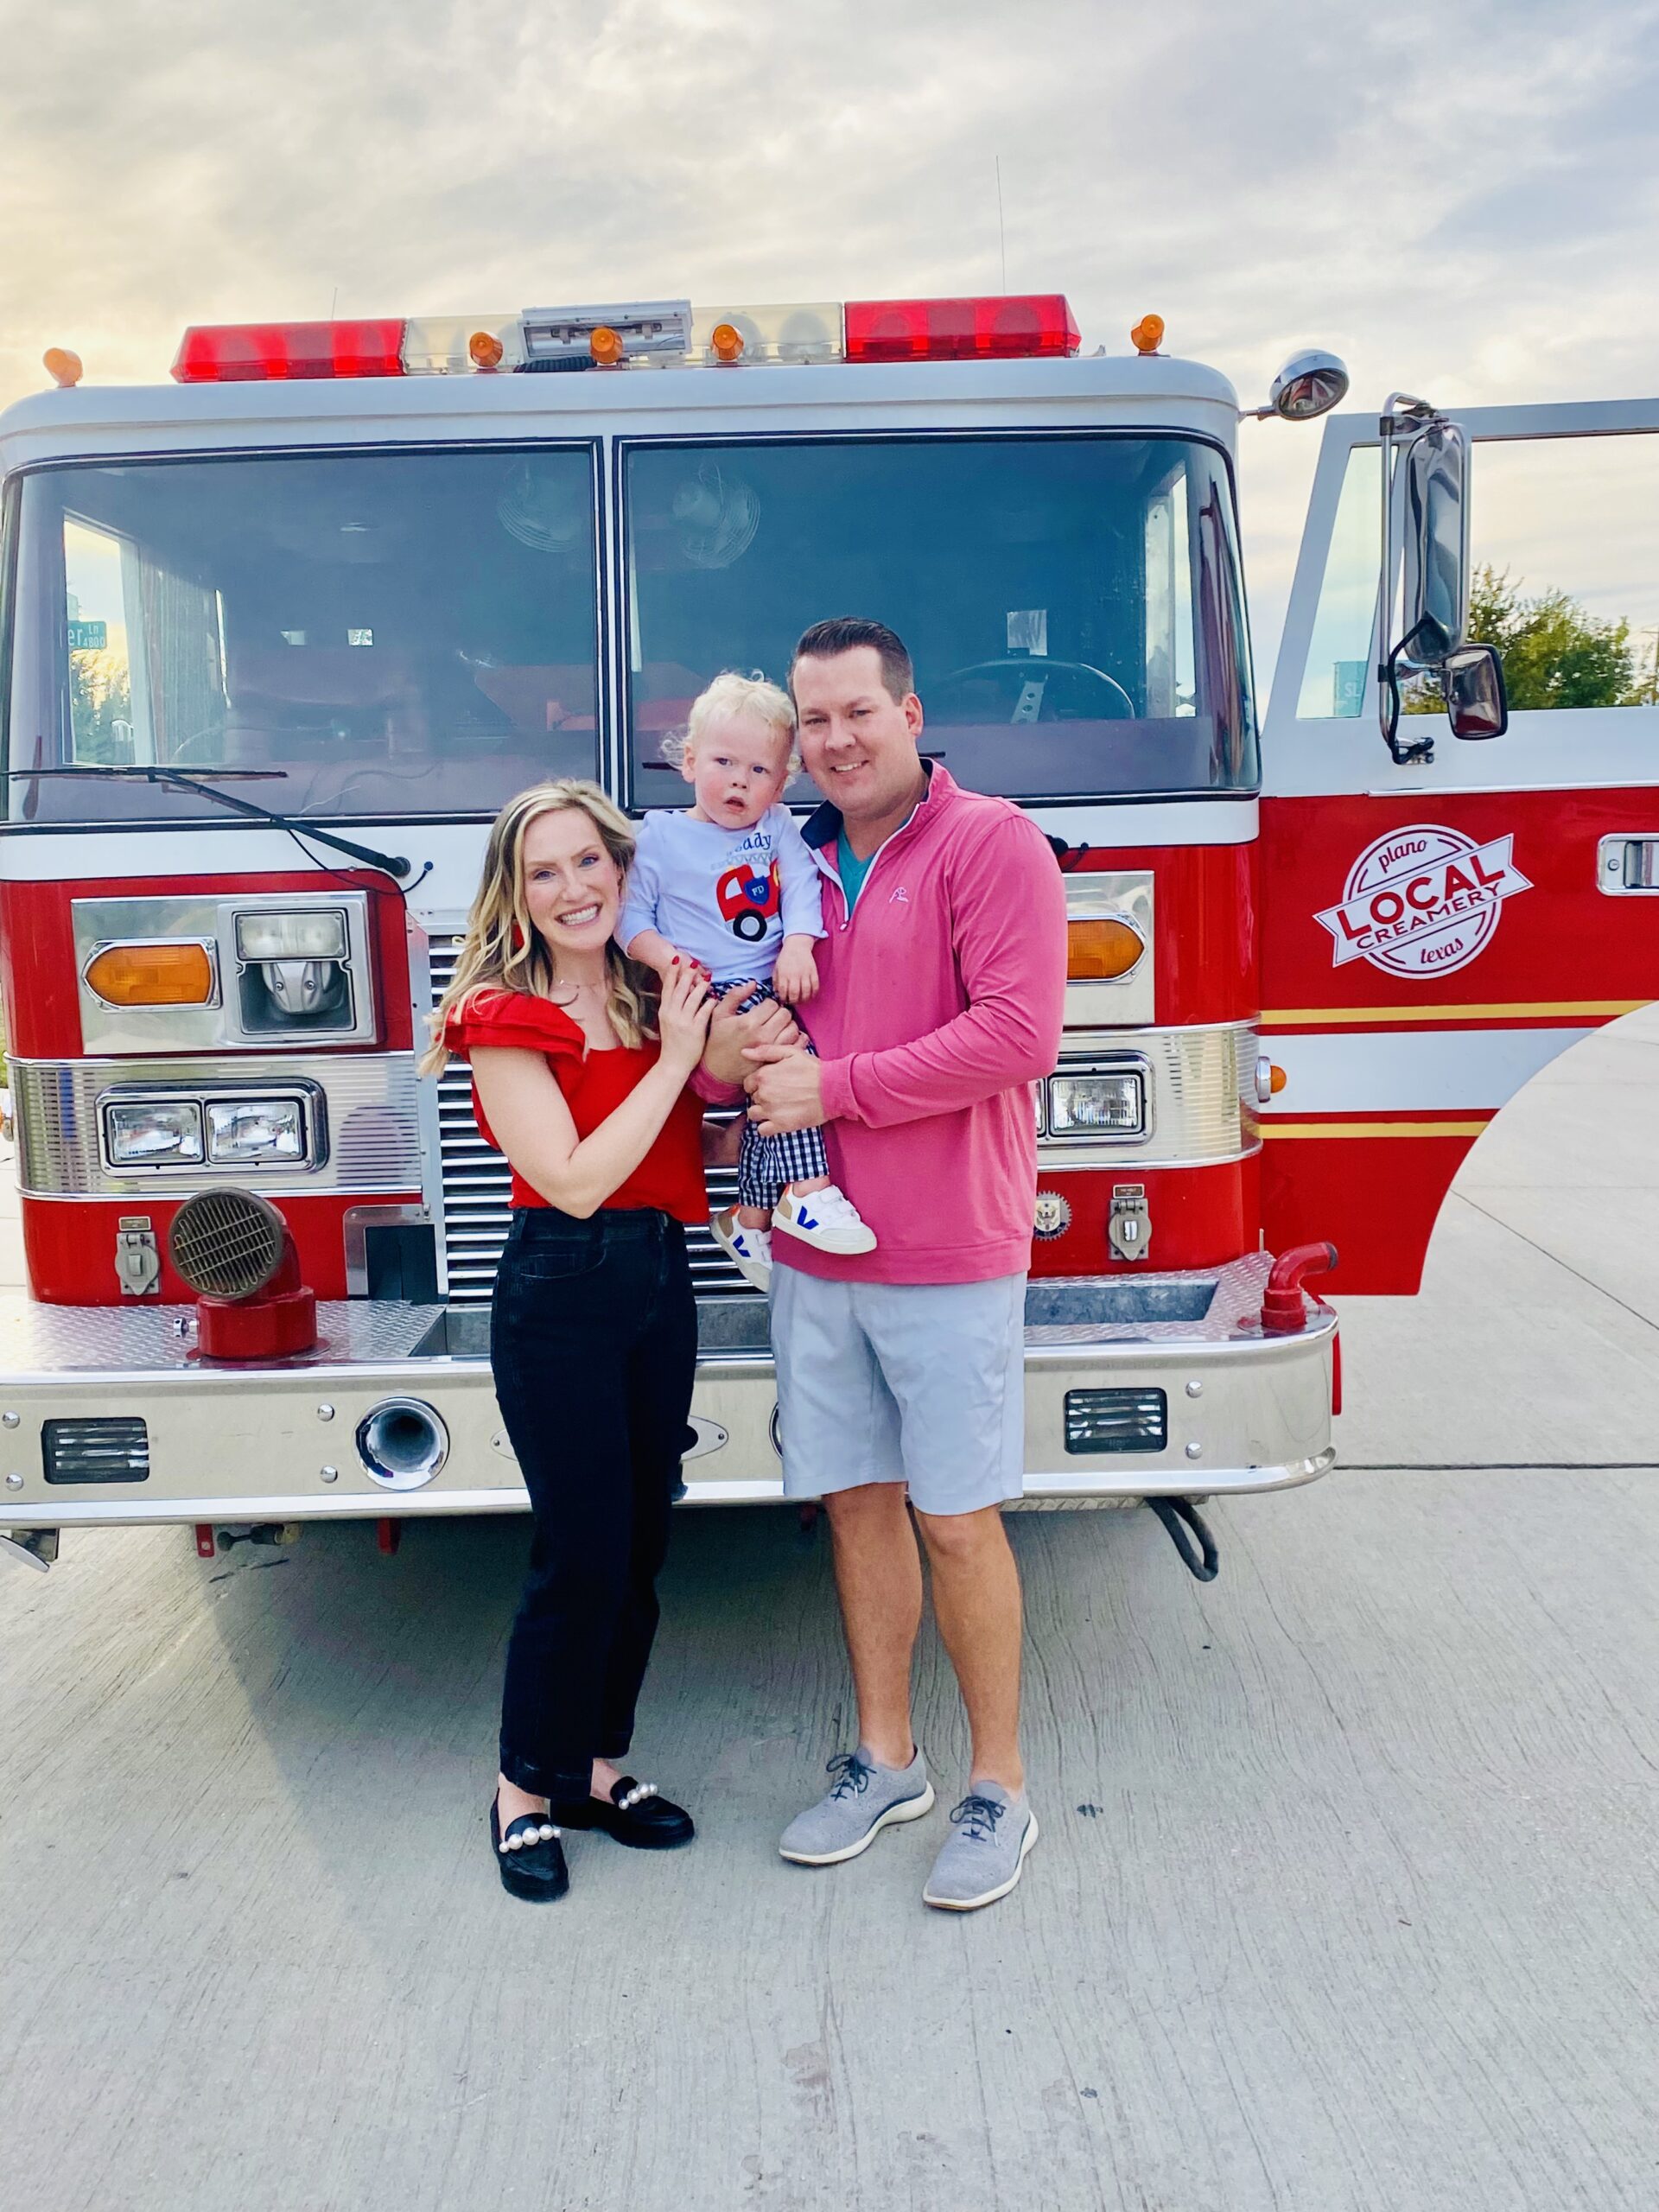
(727, 897)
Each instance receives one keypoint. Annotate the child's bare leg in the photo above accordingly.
(811, 1182)
(761, 1216)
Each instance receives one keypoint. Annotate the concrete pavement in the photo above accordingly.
(1344, 1899)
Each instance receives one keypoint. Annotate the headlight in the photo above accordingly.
(311, 933)
(1097, 1105)
(249, 1130)
(152, 1133)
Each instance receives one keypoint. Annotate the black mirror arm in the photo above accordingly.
(1422, 748)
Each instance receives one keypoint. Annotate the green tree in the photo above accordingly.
(100, 696)
(1555, 653)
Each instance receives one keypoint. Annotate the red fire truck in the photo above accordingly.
(279, 638)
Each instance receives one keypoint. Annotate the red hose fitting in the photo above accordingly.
(1283, 1313)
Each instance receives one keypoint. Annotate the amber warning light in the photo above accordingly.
(152, 974)
(1101, 948)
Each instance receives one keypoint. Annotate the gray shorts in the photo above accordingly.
(922, 1383)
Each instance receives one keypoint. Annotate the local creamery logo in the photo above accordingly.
(1423, 900)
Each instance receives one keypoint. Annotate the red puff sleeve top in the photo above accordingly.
(594, 1085)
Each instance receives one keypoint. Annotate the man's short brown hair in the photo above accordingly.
(845, 633)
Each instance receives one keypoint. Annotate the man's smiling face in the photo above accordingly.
(858, 741)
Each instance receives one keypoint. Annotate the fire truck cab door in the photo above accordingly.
(1433, 933)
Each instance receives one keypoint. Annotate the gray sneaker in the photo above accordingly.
(863, 1798)
(984, 1854)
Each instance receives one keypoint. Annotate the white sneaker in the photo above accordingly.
(749, 1249)
(827, 1219)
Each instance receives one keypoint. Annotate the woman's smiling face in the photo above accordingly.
(572, 888)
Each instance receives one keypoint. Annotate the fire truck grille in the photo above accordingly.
(477, 1185)
(106, 1448)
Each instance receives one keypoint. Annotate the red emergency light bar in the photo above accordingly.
(996, 329)
(258, 352)
(1000, 329)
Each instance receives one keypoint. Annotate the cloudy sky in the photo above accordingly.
(1459, 198)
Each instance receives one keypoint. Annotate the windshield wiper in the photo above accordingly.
(392, 864)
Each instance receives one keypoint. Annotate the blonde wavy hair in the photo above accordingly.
(733, 694)
(503, 951)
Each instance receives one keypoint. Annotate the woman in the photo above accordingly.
(580, 1069)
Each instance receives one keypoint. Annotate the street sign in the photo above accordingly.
(88, 637)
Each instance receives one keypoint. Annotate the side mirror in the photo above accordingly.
(1472, 679)
(1426, 544)
(1432, 479)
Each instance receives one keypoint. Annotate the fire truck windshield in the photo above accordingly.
(397, 634)
(1071, 601)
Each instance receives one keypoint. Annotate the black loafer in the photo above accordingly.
(636, 1815)
(534, 1871)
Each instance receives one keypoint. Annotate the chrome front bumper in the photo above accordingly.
(280, 1442)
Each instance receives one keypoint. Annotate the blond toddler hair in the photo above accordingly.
(732, 694)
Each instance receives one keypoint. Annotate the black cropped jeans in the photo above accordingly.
(593, 1345)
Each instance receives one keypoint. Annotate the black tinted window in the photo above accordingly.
(1072, 603)
(397, 633)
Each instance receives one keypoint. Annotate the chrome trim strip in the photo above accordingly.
(130, 1510)
(368, 1108)
(1201, 1098)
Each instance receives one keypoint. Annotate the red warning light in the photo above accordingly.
(255, 352)
(1004, 328)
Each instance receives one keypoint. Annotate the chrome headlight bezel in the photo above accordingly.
(119, 1114)
(290, 933)
(289, 1106)
(200, 1100)
(1132, 1073)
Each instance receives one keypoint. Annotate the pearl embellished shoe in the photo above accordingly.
(529, 1856)
(636, 1814)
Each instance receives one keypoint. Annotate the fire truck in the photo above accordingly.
(278, 637)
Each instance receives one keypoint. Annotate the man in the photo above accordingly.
(901, 1372)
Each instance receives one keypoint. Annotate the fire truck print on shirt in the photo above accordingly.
(1423, 900)
(747, 898)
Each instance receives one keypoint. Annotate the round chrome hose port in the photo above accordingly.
(402, 1443)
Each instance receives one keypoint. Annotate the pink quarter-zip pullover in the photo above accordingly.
(940, 1002)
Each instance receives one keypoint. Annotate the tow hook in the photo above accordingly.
(1182, 1522)
(35, 1547)
(1283, 1313)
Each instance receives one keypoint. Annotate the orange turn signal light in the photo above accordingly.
(152, 974)
(485, 350)
(63, 367)
(1276, 1078)
(726, 342)
(1099, 948)
(1147, 334)
(605, 346)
